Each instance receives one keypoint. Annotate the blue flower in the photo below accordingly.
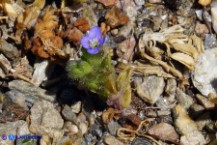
(93, 40)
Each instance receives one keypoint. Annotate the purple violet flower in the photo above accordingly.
(93, 40)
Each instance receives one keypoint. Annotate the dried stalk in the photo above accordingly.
(141, 69)
(129, 134)
(164, 65)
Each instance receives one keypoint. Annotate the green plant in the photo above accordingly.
(95, 72)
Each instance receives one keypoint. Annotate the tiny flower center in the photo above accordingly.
(94, 43)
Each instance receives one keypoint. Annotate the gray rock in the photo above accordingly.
(76, 108)
(205, 102)
(164, 103)
(5, 64)
(41, 72)
(210, 41)
(141, 141)
(205, 72)
(125, 31)
(171, 86)
(32, 93)
(15, 97)
(113, 127)
(184, 100)
(150, 88)
(9, 50)
(166, 119)
(164, 131)
(68, 114)
(45, 119)
(90, 139)
(96, 130)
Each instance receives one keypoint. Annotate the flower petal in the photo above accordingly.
(95, 33)
(85, 42)
(93, 50)
(101, 41)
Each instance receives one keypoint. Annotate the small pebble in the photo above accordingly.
(114, 32)
(171, 87)
(111, 140)
(70, 128)
(191, 135)
(141, 141)
(205, 102)
(9, 50)
(164, 131)
(113, 127)
(201, 28)
(150, 88)
(68, 114)
(163, 112)
(151, 113)
(155, 1)
(210, 41)
(184, 100)
(83, 127)
(76, 108)
(204, 2)
(140, 2)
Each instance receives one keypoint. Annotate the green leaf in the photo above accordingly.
(93, 59)
(97, 74)
(78, 69)
(123, 85)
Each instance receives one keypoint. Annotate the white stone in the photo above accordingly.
(205, 72)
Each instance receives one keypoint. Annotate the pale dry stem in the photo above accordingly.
(166, 67)
(126, 134)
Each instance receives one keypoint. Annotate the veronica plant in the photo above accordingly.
(95, 71)
(93, 40)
